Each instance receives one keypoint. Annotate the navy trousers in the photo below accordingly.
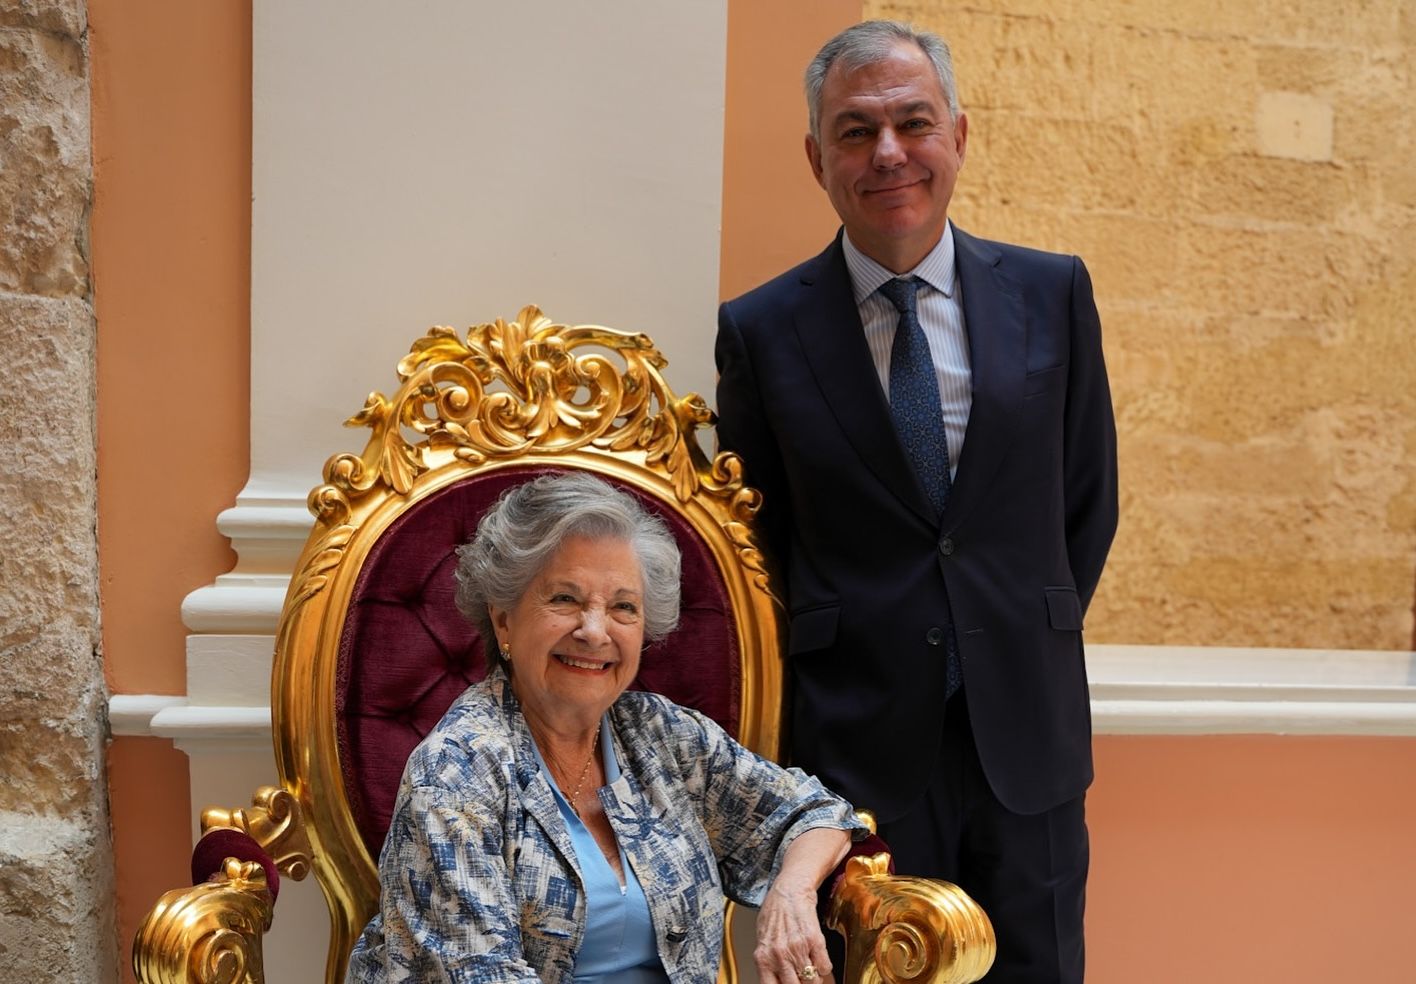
(1028, 872)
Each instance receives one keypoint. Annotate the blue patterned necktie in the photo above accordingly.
(914, 395)
(919, 419)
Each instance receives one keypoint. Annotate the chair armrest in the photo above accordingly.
(211, 933)
(899, 928)
(208, 933)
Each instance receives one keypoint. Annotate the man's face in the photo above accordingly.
(889, 154)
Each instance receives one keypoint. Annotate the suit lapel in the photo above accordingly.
(996, 323)
(828, 326)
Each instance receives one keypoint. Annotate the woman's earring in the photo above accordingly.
(506, 652)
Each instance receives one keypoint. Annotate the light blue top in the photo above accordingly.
(619, 938)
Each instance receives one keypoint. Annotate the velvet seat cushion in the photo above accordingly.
(406, 653)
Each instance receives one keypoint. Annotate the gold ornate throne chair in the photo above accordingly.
(370, 650)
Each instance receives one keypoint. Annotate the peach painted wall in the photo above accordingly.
(774, 214)
(149, 803)
(171, 252)
(171, 260)
(1255, 858)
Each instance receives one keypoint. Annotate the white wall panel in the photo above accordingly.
(444, 162)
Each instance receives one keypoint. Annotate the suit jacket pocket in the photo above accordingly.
(813, 629)
(1044, 381)
(1064, 609)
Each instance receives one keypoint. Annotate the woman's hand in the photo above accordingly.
(790, 947)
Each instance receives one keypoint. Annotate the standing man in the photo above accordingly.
(928, 417)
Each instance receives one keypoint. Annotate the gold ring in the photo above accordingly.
(807, 973)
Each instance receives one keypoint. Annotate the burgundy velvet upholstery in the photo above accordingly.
(217, 845)
(406, 652)
(868, 846)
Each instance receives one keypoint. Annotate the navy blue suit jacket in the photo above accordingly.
(873, 577)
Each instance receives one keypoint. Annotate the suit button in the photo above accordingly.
(676, 934)
(946, 547)
(934, 636)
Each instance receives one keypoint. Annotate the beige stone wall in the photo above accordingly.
(56, 885)
(1239, 179)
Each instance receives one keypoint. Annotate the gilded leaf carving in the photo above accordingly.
(524, 385)
(275, 821)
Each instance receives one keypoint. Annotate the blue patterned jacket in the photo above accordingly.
(478, 877)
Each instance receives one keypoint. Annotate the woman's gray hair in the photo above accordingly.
(869, 42)
(529, 523)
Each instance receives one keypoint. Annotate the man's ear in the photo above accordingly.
(961, 135)
(813, 155)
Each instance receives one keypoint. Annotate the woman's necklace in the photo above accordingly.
(584, 772)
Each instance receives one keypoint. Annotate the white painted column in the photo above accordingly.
(441, 162)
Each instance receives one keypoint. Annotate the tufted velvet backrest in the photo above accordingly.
(406, 652)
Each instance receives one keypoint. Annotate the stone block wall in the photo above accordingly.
(1238, 179)
(56, 882)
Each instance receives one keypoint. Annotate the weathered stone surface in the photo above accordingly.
(47, 488)
(52, 700)
(56, 882)
(64, 17)
(1256, 308)
(56, 887)
(44, 150)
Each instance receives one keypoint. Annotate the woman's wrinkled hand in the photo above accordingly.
(790, 947)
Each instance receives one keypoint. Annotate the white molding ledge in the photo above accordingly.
(1135, 690)
(131, 715)
(267, 533)
(148, 715)
(1203, 690)
(238, 604)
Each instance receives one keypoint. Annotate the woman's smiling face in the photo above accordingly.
(576, 635)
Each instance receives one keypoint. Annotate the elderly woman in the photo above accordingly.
(557, 827)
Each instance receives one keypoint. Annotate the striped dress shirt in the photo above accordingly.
(941, 315)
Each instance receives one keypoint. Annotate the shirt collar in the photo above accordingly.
(936, 269)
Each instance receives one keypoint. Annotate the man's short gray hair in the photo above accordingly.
(872, 41)
(521, 533)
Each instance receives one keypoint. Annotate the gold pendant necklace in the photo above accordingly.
(585, 771)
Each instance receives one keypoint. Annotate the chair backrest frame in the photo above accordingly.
(516, 394)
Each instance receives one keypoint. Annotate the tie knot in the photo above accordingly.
(901, 293)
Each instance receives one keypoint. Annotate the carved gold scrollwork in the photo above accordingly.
(311, 578)
(901, 929)
(529, 384)
(209, 933)
(669, 438)
(516, 386)
(752, 559)
(744, 502)
(275, 822)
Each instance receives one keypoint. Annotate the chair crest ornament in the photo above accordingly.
(524, 386)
